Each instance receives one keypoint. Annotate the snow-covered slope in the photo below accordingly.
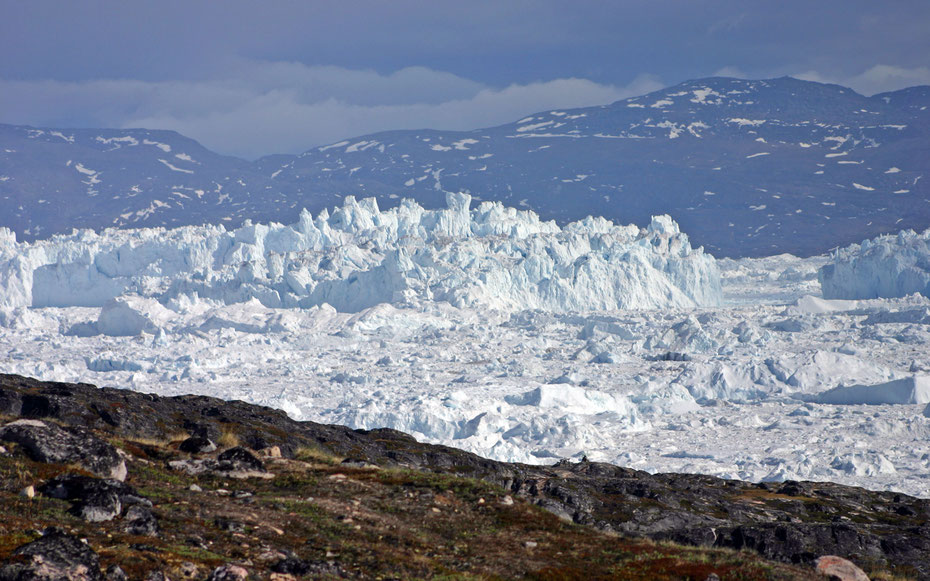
(358, 257)
(747, 168)
(887, 266)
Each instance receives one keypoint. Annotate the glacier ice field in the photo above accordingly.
(490, 330)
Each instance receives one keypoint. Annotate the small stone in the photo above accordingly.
(271, 556)
(188, 570)
(713, 577)
(228, 573)
(191, 467)
(530, 544)
(480, 501)
(28, 492)
(116, 573)
(434, 509)
(228, 524)
(271, 452)
(507, 500)
(139, 520)
(840, 568)
(357, 463)
(292, 565)
(195, 488)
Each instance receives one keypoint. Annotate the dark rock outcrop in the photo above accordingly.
(48, 442)
(795, 522)
(197, 445)
(292, 565)
(55, 556)
(94, 499)
(235, 462)
(239, 458)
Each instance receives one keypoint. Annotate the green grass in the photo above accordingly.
(386, 522)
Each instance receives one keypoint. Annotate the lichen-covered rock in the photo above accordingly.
(95, 499)
(197, 445)
(48, 442)
(839, 568)
(239, 458)
(54, 557)
(228, 573)
(235, 462)
(139, 520)
(116, 573)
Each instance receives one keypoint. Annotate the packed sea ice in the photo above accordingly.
(489, 330)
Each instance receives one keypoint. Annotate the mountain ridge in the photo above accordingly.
(748, 168)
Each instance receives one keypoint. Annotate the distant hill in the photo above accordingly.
(747, 168)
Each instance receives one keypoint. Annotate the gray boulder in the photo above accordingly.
(48, 442)
(239, 458)
(94, 499)
(197, 445)
(139, 520)
(55, 556)
(839, 568)
(235, 462)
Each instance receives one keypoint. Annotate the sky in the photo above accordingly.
(251, 78)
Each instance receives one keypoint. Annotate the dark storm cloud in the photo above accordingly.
(256, 77)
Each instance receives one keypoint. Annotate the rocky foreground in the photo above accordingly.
(102, 483)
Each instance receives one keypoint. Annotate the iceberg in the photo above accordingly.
(889, 266)
(909, 390)
(357, 257)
